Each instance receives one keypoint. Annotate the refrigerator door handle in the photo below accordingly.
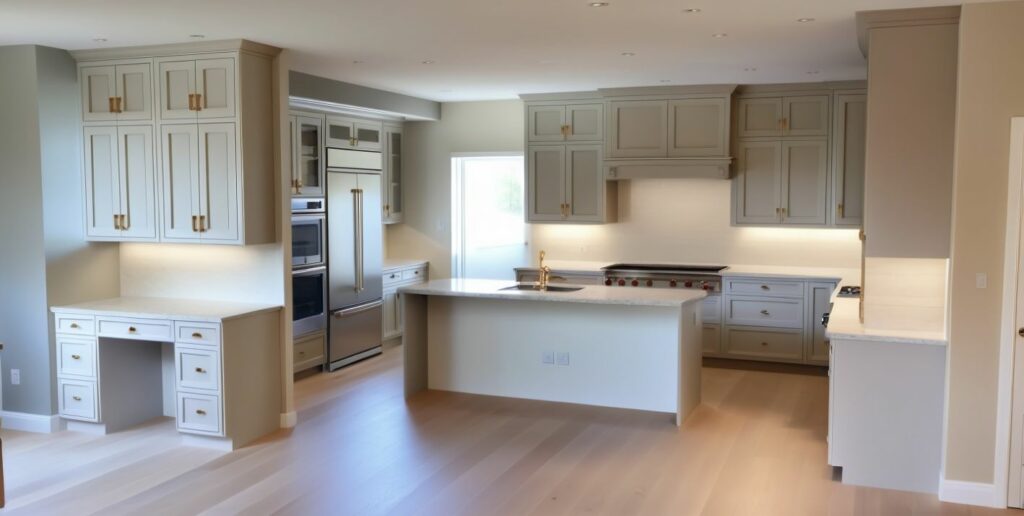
(356, 309)
(357, 204)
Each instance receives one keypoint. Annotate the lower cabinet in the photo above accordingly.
(308, 351)
(394, 279)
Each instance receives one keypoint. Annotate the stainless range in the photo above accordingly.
(705, 277)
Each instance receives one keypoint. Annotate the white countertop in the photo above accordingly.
(591, 294)
(401, 263)
(203, 310)
(844, 323)
(843, 275)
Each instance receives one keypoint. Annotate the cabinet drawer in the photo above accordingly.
(197, 333)
(780, 344)
(75, 324)
(76, 356)
(308, 352)
(392, 277)
(417, 274)
(764, 288)
(77, 399)
(711, 309)
(197, 368)
(782, 313)
(141, 329)
(711, 338)
(199, 413)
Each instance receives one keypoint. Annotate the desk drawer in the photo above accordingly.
(765, 343)
(140, 329)
(752, 287)
(199, 413)
(75, 324)
(418, 274)
(781, 313)
(76, 356)
(197, 368)
(197, 333)
(77, 399)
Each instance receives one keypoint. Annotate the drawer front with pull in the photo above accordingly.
(392, 277)
(765, 344)
(199, 413)
(77, 399)
(781, 313)
(308, 352)
(140, 329)
(752, 287)
(417, 274)
(75, 324)
(76, 356)
(197, 333)
(711, 309)
(197, 368)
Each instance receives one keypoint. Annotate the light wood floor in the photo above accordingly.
(756, 446)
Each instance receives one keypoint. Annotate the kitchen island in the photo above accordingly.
(634, 349)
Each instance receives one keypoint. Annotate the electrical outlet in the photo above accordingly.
(15, 376)
(981, 280)
(563, 358)
(548, 357)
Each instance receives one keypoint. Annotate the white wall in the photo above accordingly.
(681, 220)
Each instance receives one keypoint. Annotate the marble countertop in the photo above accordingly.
(401, 263)
(845, 276)
(203, 310)
(590, 294)
(844, 323)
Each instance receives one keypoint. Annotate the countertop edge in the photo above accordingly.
(522, 296)
(163, 315)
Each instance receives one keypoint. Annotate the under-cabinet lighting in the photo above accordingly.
(719, 35)
(598, 4)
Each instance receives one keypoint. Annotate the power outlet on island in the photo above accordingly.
(563, 358)
(548, 357)
(15, 376)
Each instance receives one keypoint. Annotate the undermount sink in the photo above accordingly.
(535, 288)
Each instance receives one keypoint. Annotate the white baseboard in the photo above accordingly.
(970, 493)
(26, 422)
(289, 419)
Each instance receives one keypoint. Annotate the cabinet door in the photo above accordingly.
(759, 117)
(848, 158)
(215, 85)
(698, 127)
(804, 177)
(177, 85)
(218, 183)
(759, 170)
(390, 318)
(584, 185)
(544, 123)
(180, 170)
(102, 186)
(586, 122)
(805, 116)
(638, 129)
(818, 297)
(545, 185)
(293, 149)
(394, 205)
(138, 181)
(98, 90)
(340, 133)
(134, 88)
(309, 161)
(369, 135)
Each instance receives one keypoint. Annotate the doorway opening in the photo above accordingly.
(489, 231)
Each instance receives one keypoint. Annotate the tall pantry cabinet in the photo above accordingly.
(178, 142)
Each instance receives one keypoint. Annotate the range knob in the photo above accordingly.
(622, 282)
(650, 283)
(635, 283)
(608, 281)
(672, 283)
(707, 286)
(688, 284)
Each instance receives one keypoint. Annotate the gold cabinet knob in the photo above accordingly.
(131, 329)
(75, 326)
(76, 357)
(200, 370)
(201, 412)
(764, 343)
(76, 398)
(302, 352)
(197, 335)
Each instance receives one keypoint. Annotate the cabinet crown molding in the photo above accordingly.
(888, 18)
(176, 49)
(636, 91)
(799, 88)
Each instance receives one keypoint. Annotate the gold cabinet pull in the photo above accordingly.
(782, 211)
(201, 412)
(131, 329)
(117, 222)
(200, 370)
(765, 313)
(191, 101)
(202, 224)
(117, 104)
(199, 101)
(124, 221)
(76, 357)
(110, 105)
(352, 142)
(839, 210)
(197, 335)
(76, 398)
(194, 220)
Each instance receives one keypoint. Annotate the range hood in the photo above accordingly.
(667, 168)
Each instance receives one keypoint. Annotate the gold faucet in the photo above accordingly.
(545, 276)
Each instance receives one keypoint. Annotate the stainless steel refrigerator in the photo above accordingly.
(355, 255)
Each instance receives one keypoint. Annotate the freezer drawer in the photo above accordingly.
(355, 333)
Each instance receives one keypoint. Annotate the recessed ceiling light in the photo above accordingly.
(665, 80)
(629, 54)
(719, 35)
(428, 61)
(358, 62)
(197, 36)
(100, 40)
(692, 10)
(804, 20)
(598, 4)
(750, 69)
(813, 72)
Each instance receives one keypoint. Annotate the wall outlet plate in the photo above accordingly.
(548, 357)
(15, 376)
(563, 358)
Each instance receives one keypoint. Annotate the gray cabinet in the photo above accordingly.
(638, 129)
(818, 303)
(394, 205)
(803, 182)
(570, 122)
(698, 127)
(545, 183)
(565, 183)
(354, 133)
(307, 131)
(120, 186)
(121, 92)
(800, 115)
(848, 145)
(757, 183)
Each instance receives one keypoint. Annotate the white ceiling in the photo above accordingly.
(487, 49)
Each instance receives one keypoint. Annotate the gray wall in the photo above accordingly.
(45, 259)
(329, 90)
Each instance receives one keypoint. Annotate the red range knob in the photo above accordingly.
(707, 287)
(608, 281)
(688, 284)
(635, 283)
(622, 282)
(650, 283)
(672, 283)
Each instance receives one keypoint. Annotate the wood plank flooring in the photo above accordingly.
(756, 446)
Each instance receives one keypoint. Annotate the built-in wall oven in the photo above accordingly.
(309, 266)
(309, 300)
(309, 233)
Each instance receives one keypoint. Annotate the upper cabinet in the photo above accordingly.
(848, 146)
(307, 130)
(638, 129)
(354, 133)
(556, 123)
(698, 127)
(803, 115)
(186, 171)
(117, 92)
(392, 175)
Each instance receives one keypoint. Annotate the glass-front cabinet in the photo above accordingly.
(307, 154)
(393, 201)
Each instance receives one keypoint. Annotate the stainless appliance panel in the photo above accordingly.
(309, 300)
(354, 159)
(309, 240)
(308, 205)
(355, 333)
(355, 247)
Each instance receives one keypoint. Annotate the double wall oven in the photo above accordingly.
(309, 266)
